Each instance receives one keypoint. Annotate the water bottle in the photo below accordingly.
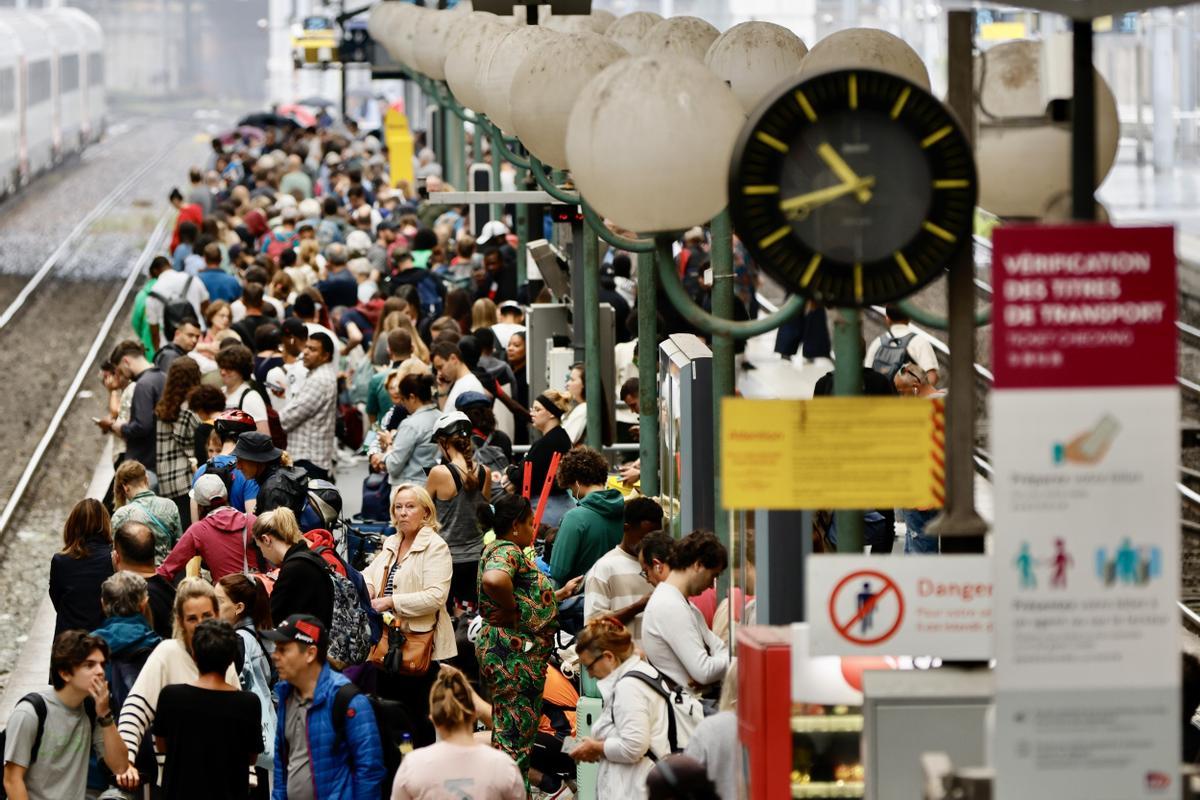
(406, 744)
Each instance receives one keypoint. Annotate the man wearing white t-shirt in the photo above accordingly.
(615, 586)
(236, 364)
(171, 287)
(919, 350)
(453, 373)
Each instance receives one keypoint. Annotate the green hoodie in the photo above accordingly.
(587, 532)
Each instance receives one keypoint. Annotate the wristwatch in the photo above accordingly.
(105, 721)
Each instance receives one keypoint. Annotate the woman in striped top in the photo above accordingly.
(171, 662)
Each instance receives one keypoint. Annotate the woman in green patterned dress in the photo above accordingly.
(519, 608)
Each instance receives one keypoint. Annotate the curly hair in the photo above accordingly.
(182, 377)
(583, 465)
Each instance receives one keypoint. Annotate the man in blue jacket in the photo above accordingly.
(314, 759)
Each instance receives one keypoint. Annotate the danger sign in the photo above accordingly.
(866, 607)
(900, 606)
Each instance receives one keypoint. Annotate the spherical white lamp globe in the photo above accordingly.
(628, 30)
(649, 142)
(754, 58)
(470, 41)
(689, 37)
(547, 84)
(406, 36)
(429, 47)
(497, 70)
(867, 48)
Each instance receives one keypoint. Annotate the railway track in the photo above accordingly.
(154, 244)
(68, 242)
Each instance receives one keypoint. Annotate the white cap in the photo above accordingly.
(492, 229)
(207, 489)
(358, 242)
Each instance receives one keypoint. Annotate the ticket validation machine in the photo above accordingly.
(686, 402)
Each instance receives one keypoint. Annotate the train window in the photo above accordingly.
(39, 82)
(68, 73)
(8, 91)
(95, 69)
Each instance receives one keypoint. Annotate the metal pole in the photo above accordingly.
(722, 349)
(454, 159)
(847, 377)
(591, 336)
(522, 227)
(647, 354)
(959, 525)
(497, 210)
(1083, 124)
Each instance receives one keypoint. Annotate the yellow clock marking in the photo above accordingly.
(805, 106)
(900, 101)
(771, 239)
(941, 233)
(952, 183)
(772, 142)
(807, 277)
(858, 283)
(936, 136)
(853, 90)
(904, 267)
(756, 190)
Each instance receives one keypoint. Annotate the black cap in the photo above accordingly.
(294, 327)
(303, 628)
(256, 447)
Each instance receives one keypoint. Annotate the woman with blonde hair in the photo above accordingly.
(409, 580)
(632, 733)
(175, 435)
(171, 662)
(303, 585)
(457, 757)
(484, 314)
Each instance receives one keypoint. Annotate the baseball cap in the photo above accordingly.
(303, 628)
(207, 489)
(468, 399)
(493, 229)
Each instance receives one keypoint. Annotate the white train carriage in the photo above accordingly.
(10, 111)
(39, 134)
(95, 98)
(77, 36)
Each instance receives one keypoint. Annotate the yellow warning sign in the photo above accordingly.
(832, 452)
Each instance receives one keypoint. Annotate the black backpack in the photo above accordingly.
(124, 670)
(278, 434)
(285, 487)
(176, 310)
(892, 354)
(391, 720)
(38, 702)
(224, 472)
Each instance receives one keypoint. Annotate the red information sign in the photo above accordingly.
(1083, 305)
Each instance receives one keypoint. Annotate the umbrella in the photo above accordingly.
(316, 102)
(266, 119)
(244, 133)
(301, 115)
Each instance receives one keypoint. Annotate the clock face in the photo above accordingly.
(853, 188)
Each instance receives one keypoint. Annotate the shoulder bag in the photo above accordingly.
(401, 651)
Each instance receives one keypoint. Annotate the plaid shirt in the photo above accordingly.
(174, 443)
(310, 418)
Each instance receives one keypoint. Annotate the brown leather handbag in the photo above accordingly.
(401, 651)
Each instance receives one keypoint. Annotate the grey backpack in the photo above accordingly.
(892, 354)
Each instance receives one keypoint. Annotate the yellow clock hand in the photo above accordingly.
(802, 204)
(841, 169)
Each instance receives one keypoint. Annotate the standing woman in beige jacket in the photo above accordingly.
(410, 579)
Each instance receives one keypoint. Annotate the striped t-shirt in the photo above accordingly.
(615, 582)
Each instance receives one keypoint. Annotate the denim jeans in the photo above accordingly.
(915, 540)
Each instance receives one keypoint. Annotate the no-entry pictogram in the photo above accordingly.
(866, 607)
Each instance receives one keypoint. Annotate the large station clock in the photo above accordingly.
(853, 187)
